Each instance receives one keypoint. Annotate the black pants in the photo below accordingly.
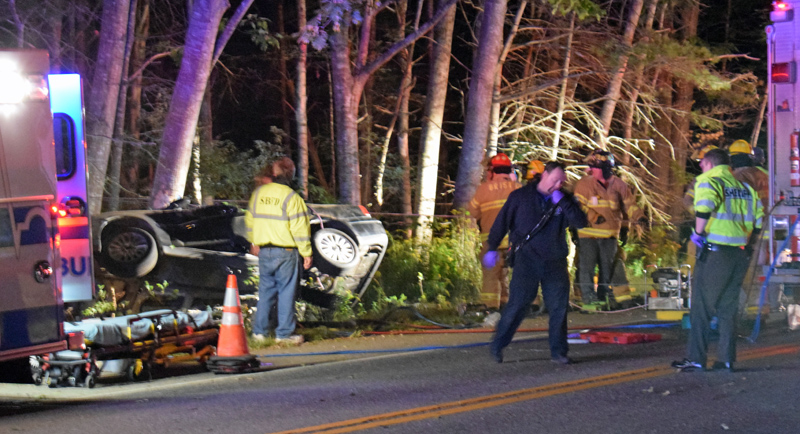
(716, 284)
(593, 252)
(528, 274)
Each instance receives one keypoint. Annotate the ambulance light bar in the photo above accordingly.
(781, 11)
(16, 87)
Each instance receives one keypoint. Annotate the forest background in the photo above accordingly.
(396, 104)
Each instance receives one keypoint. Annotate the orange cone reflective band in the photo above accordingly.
(232, 337)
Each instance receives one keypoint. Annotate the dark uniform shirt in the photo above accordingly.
(524, 209)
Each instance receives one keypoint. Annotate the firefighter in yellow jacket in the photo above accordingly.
(608, 204)
(484, 207)
(280, 235)
(728, 218)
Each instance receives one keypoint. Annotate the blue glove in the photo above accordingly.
(556, 196)
(490, 259)
(698, 239)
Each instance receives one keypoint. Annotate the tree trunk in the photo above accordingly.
(346, 100)
(179, 129)
(347, 90)
(102, 101)
(562, 96)
(431, 135)
(406, 85)
(494, 126)
(681, 120)
(137, 59)
(285, 83)
(615, 86)
(118, 144)
(479, 104)
(300, 111)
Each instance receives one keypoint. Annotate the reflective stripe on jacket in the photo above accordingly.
(614, 202)
(488, 200)
(276, 215)
(733, 208)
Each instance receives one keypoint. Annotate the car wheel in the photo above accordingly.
(128, 251)
(334, 251)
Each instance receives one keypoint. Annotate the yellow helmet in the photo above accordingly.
(700, 152)
(534, 167)
(740, 147)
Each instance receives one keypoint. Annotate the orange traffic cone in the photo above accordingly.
(232, 352)
(232, 337)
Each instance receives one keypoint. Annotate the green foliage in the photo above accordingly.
(447, 269)
(258, 29)
(583, 8)
(102, 305)
(228, 172)
(657, 247)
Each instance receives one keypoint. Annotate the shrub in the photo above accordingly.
(447, 269)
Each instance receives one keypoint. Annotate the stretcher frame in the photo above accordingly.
(163, 347)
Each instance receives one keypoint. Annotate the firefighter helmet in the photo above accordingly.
(700, 152)
(740, 147)
(534, 167)
(599, 158)
(500, 160)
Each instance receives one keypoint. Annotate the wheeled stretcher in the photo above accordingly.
(128, 345)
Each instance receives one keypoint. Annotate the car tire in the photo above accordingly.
(128, 251)
(334, 251)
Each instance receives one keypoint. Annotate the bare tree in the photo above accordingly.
(479, 103)
(199, 55)
(349, 81)
(431, 136)
(102, 102)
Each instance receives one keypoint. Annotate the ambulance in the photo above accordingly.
(45, 250)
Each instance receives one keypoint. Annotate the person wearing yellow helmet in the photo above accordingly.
(534, 171)
(740, 147)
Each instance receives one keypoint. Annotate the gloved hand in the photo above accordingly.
(490, 258)
(556, 196)
(623, 236)
(600, 220)
(698, 239)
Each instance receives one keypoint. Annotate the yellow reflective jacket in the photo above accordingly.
(731, 207)
(614, 202)
(276, 215)
(488, 200)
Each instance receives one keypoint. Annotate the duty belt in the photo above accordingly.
(719, 247)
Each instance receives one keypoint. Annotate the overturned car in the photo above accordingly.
(193, 249)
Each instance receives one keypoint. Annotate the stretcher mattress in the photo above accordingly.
(125, 329)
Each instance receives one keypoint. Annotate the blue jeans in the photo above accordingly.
(278, 275)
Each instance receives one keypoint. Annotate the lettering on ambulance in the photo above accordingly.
(71, 264)
(74, 266)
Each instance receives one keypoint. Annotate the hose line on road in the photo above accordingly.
(471, 345)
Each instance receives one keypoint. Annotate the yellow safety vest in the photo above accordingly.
(734, 208)
(276, 215)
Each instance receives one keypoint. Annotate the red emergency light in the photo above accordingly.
(783, 72)
(781, 11)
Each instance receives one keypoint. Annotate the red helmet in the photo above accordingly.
(500, 160)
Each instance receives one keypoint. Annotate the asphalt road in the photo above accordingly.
(611, 389)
